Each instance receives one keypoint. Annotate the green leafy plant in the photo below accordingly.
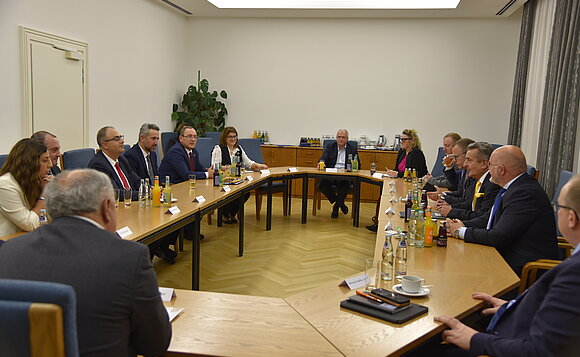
(201, 109)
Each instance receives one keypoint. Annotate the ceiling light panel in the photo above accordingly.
(335, 4)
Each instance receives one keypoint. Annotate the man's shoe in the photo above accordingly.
(344, 208)
(372, 227)
(334, 211)
(233, 219)
(226, 220)
(166, 258)
(169, 252)
(201, 237)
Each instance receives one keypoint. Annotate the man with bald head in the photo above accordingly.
(542, 321)
(521, 224)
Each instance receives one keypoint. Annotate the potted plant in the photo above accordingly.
(200, 108)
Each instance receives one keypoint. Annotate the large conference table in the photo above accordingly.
(312, 323)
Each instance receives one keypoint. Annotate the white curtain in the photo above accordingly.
(540, 48)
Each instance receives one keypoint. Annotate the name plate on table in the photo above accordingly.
(265, 172)
(226, 189)
(173, 210)
(249, 178)
(378, 175)
(199, 199)
(166, 293)
(356, 282)
(124, 232)
(172, 312)
(331, 169)
(292, 169)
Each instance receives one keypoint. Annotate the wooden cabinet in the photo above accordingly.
(275, 156)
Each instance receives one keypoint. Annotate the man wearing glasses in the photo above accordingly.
(182, 159)
(521, 223)
(110, 162)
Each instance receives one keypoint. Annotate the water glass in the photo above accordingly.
(373, 271)
(127, 194)
(192, 181)
(117, 195)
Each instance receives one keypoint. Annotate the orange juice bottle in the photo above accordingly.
(429, 228)
(156, 193)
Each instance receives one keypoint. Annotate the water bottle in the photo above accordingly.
(42, 218)
(387, 262)
(142, 194)
(419, 230)
(401, 257)
(147, 193)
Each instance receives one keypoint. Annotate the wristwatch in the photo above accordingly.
(456, 233)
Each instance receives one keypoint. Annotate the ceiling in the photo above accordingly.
(466, 9)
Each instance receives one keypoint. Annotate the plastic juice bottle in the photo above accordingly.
(428, 228)
(156, 193)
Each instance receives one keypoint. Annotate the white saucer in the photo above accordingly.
(422, 292)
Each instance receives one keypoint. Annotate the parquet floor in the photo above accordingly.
(290, 258)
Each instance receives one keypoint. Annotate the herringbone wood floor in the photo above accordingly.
(290, 258)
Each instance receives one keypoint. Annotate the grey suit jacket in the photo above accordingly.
(119, 310)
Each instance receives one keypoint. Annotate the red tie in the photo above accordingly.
(191, 164)
(122, 175)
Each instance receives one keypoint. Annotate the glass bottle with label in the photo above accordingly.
(387, 262)
(156, 193)
(167, 193)
(401, 257)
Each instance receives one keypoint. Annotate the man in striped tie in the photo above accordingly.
(542, 321)
(521, 224)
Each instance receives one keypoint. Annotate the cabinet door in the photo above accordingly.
(308, 156)
(283, 156)
(268, 154)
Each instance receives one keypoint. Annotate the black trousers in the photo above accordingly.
(335, 190)
(232, 208)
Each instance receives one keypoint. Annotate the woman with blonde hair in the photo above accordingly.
(410, 156)
(22, 180)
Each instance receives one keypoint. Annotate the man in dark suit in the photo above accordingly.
(545, 319)
(119, 310)
(449, 141)
(182, 159)
(109, 161)
(53, 145)
(336, 155)
(521, 223)
(143, 161)
(484, 191)
(142, 156)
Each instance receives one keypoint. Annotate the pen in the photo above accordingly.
(369, 297)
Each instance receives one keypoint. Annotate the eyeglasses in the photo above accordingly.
(116, 138)
(232, 136)
(404, 139)
(190, 136)
(557, 206)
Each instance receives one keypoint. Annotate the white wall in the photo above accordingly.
(136, 58)
(308, 77)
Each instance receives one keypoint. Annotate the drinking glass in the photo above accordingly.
(192, 181)
(117, 195)
(373, 271)
(127, 194)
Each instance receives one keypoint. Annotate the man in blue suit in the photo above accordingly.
(143, 161)
(545, 319)
(109, 161)
(182, 159)
(142, 156)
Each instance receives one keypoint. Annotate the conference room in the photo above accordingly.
(300, 73)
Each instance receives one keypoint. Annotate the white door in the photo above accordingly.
(55, 89)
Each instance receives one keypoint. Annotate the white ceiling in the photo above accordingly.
(466, 9)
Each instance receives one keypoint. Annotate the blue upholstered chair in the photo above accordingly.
(533, 172)
(438, 166)
(166, 137)
(254, 151)
(565, 176)
(205, 146)
(3, 158)
(77, 159)
(215, 135)
(24, 305)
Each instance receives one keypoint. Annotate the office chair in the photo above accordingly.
(166, 137)
(3, 158)
(77, 159)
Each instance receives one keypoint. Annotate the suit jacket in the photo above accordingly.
(100, 163)
(330, 154)
(137, 162)
(119, 310)
(175, 164)
(463, 211)
(55, 170)
(465, 188)
(415, 160)
(545, 322)
(524, 228)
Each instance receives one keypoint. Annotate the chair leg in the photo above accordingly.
(285, 202)
(209, 218)
(258, 204)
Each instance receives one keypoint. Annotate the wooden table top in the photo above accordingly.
(237, 325)
(455, 273)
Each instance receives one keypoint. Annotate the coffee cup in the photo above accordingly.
(411, 284)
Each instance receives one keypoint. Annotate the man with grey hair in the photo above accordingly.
(119, 310)
(336, 155)
(482, 197)
(52, 144)
(521, 223)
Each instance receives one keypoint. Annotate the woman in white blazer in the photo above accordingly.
(22, 180)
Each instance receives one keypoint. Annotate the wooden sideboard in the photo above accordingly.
(275, 156)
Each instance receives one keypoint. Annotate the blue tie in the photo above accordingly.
(502, 310)
(495, 206)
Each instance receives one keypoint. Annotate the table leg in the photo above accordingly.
(356, 202)
(219, 217)
(269, 207)
(241, 226)
(196, 253)
(304, 198)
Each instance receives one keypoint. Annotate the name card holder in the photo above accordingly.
(356, 282)
(265, 172)
(331, 169)
(166, 294)
(124, 232)
(226, 189)
(292, 169)
(199, 199)
(249, 178)
(378, 175)
(173, 210)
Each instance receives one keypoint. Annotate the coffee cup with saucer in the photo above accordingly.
(411, 286)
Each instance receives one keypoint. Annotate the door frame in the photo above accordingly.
(74, 49)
